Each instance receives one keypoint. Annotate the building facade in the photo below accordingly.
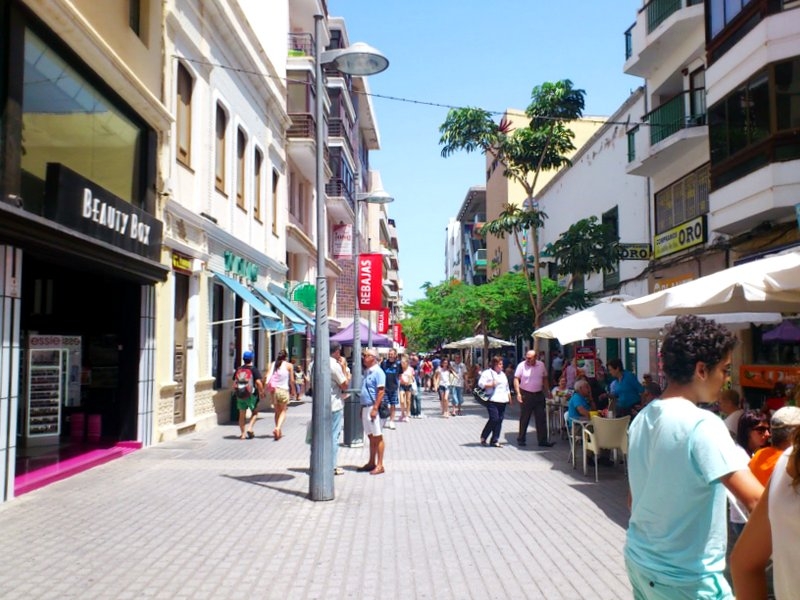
(83, 129)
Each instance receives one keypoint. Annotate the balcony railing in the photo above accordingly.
(301, 44)
(337, 188)
(629, 42)
(303, 126)
(687, 109)
(659, 11)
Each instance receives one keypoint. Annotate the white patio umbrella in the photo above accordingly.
(610, 319)
(766, 285)
(477, 341)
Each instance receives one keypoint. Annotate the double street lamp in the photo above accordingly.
(361, 60)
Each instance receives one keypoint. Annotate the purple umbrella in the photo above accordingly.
(345, 337)
(787, 333)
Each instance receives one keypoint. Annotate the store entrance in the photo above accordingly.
(84, 397)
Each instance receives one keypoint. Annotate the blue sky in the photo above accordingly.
(472, 53)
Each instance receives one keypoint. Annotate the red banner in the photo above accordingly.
(397, 333)
(383, 321)
(370, 282)
(404, 343)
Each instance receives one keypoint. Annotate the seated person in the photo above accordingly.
(730, 406)
(561, 392)
(578, 406)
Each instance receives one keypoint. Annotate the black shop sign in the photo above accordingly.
(80, 204)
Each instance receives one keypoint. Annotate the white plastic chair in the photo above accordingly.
(609, 434)
(570, 438)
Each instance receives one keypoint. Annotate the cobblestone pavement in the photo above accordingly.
(212, 516)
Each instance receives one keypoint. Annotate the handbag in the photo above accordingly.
(383, 410)
(481, 396)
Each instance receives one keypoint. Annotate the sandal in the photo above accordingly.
(276, 433)
(338, 471)
(496, 445)
(377, 471)
(250, 435)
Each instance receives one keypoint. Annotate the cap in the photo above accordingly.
(247, 356)
(788, 416)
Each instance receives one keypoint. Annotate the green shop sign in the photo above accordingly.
(305, 294)
(240, 266)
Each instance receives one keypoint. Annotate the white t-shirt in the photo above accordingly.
(445, 377)
(784, 508)
(738, 513)
(501, 391)
(459, 370)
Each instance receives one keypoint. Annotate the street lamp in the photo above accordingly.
(362, 60)
(353, 429)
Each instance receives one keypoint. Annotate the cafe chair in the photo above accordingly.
(605, 434)
(571, 438)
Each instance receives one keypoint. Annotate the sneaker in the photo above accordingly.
(391, 425)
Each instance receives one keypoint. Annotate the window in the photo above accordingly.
(183, 116)
(217, 333)
(611, 220)
(219, 155)
(682, 200)
(722, 12)
(275, 181)
(258, 164)
(756, 124)
(241, 145)
(69, 120)
(135, 16)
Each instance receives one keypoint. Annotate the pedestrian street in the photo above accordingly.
(213, 516)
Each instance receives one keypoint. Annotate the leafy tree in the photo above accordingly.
(524, 153)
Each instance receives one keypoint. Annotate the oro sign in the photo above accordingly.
(635, 252)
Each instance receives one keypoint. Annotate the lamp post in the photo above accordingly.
(353, 429)
(358, 59)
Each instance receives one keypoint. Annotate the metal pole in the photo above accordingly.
(353, 428)
(321, 481)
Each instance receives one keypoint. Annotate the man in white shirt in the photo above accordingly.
(340, 381)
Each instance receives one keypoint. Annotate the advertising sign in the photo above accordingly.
(370, 279)
(585, 359)
(635, 252)
(383, 321)
(342, 241)
(683, 236)
(397, 333)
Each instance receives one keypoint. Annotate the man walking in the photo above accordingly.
(391, 368)
(372, 391)
(680, 460)
(531, 385)
(248, 389)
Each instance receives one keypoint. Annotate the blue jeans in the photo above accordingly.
(337, 422)
(456, 395)
(495, 423)
(416, 402)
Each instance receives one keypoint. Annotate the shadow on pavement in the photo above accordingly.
(264, 479)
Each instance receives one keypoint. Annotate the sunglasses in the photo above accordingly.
(761, 429)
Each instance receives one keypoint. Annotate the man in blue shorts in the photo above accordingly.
(680, 460)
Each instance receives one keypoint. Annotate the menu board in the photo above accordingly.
(44, 392)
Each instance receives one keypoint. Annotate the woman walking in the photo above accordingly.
(280, 383)
(445, 377)
(407, 376)
(495, 382)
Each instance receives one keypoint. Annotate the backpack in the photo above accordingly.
(243, 382)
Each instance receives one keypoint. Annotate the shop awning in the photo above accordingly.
(269, 320)
(295, 315)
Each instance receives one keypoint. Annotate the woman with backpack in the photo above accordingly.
(280, 383)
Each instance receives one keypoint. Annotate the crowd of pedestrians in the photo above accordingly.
(703, 486)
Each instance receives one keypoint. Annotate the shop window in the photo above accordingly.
(68, 120)
(241, 145)
(219, 148)
(258, 167)
(275, 183)
(183, 116)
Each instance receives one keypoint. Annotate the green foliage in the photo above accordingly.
(454, 310)
(588, 246)
(512, 220)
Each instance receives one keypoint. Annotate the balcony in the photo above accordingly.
(340, 201)
(664, 28)
(677, 132)
(301, 44)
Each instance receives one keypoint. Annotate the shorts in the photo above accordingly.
(280, 396)
(245, 403)
(371, 426)
(390, 398)
(649, 586)
(405, 388)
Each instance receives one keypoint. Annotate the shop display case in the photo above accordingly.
(45, 387)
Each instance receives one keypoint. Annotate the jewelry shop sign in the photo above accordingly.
(686, 235)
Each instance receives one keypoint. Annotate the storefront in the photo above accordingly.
(80, 250)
